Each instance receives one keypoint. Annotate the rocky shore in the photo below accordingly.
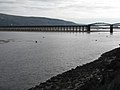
(101, 74)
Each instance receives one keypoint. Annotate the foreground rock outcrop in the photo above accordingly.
(101, 74)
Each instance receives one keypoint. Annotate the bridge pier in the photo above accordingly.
(72, 28)
(111, 28)
(88, 28)
(82, 28)
(76, 29)
(79, 28)
(69, 28)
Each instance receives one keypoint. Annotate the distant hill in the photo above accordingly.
(11, 20)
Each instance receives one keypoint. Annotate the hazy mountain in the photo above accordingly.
(8, 20)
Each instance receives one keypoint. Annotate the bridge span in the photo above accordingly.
(60, 28)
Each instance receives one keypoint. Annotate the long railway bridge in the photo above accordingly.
(62, 28)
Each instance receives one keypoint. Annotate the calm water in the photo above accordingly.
(24, 63)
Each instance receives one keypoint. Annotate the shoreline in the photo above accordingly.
(101, 74)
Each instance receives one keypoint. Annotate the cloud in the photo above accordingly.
(38, 8)
(47, 0)
(66, 9)
(88, 8)
(6, 2)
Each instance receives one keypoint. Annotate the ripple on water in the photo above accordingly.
(6, 41)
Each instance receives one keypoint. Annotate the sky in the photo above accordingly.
(79, 11)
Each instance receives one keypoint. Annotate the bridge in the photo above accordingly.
(61, 28)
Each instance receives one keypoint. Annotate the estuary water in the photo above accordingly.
(29, 58)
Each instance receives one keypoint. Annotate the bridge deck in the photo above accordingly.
(61, 28)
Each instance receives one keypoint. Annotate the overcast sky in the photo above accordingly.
(82, 11)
